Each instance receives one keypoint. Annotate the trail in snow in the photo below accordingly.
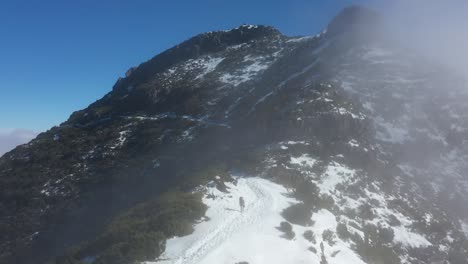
(257, 199)
(230, 236)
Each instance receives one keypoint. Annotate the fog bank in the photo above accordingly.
(10, 138)
(437, 29)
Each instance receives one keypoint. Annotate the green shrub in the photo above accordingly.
(140, 233)
(393, 221)
(326, 202)
(307, 192)
(329, 237)
(373, 248)
(310, 236)
(378, 254)
(323, 260)
(386, 235)
(342, 231)
(298, 214)
(203, 175)
(366, 211)
(350, 213)
(287, 229)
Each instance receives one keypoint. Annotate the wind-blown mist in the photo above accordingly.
(437, 29)
(9, 139)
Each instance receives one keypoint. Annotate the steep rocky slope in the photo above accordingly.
(354, 125)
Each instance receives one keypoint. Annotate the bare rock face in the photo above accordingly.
(129, 72)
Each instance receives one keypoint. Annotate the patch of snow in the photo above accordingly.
(335, 174)
(410, 239)
(327, 100)
(299, 39)
(121, 140)
(152, 118)
(209, 65)
(297, 143)
(246, 26)
(344, 111)
(428, 218)
(238, 46)
(464, 226)
(187, 135)
(324, 220)
(304, 161)
(33, 235)
(270, 163)
(202, 120)
(234, 79)
(245, 74)
(353, 143)
(403, 233)
(323, 32)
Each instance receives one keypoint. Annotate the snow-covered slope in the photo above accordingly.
(231, 236)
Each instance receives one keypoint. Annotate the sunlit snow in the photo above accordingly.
(231, 236)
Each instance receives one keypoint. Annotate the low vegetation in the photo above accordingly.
(376, 246)
(140, 233)
(298, 214)
(310, 236)
(287, 229)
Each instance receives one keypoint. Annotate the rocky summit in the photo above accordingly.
(347, 147)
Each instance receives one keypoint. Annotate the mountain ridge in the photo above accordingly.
(329, 116)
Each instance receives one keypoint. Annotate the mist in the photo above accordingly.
(9, 139)
(436, 29)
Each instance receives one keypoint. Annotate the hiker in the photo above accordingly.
(241, 203)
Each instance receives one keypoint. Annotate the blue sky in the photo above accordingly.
(60, 56)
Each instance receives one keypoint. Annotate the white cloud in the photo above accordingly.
(438, 29)
(10, 138)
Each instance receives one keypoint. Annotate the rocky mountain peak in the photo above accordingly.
(199, 45)
(354, 18)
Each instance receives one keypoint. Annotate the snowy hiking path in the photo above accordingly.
(229, 236)
(231, 224)
(258, 198)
